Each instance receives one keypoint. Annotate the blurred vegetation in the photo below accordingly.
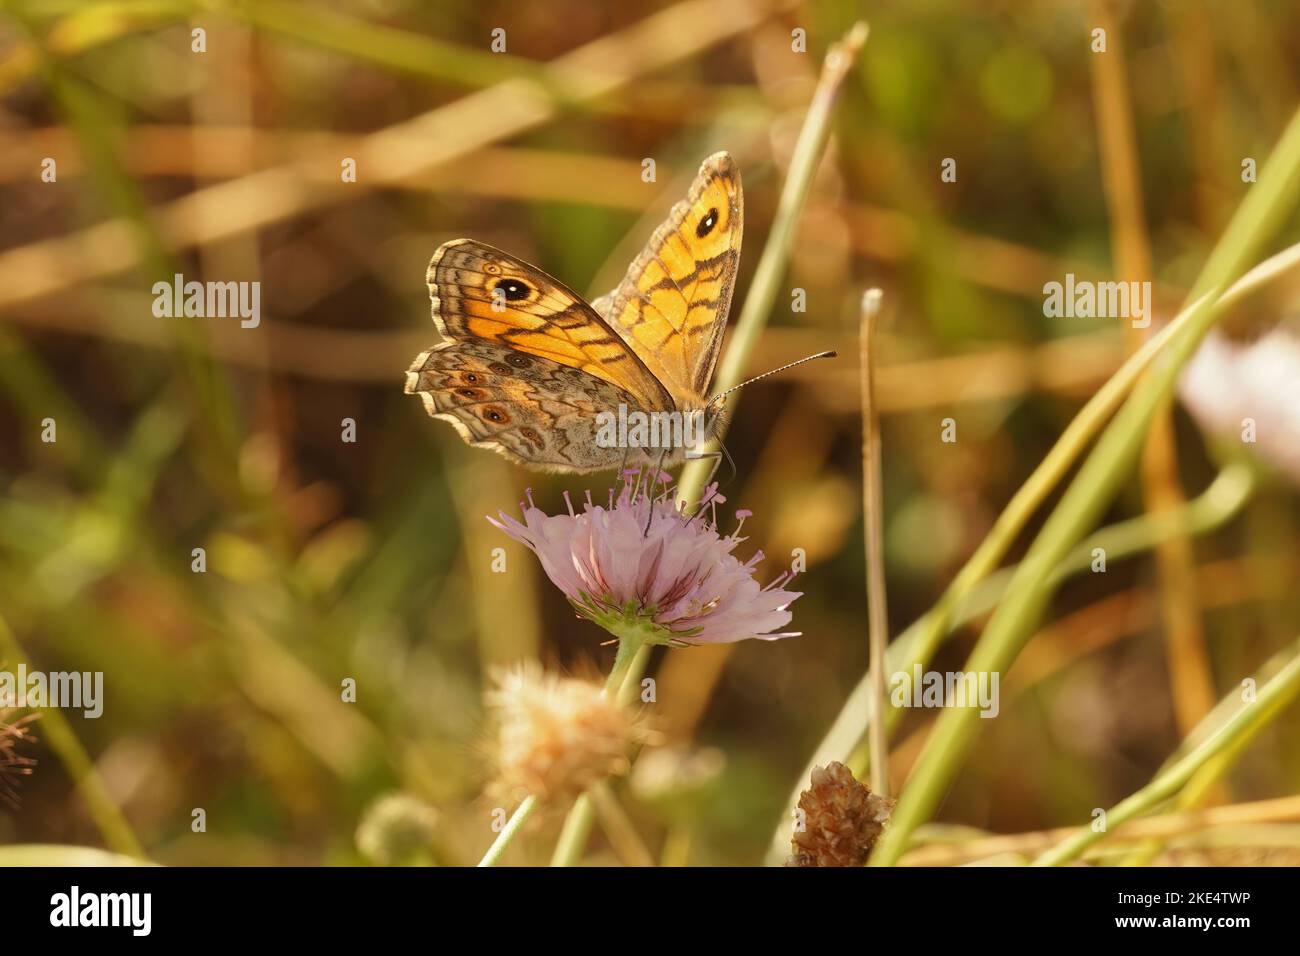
(370, 560)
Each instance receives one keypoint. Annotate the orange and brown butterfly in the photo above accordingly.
(529, 364)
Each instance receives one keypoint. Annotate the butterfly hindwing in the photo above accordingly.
(672, 305)
(483, 294)
(534, 411)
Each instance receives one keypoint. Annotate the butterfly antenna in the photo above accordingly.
(723, 394)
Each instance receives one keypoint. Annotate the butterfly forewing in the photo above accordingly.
(672, 305)
(481, 293)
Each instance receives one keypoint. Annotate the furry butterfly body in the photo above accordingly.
(528, 366)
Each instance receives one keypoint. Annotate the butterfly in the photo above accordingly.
(531, 370)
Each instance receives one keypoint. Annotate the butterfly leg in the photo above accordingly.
(622, 465)
(717, 463)
(643, 462)
(650, 490)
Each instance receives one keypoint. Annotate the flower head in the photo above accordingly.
(556, 736)
(1230, 386)
(642, 565)
(842, 819)
(398, 829)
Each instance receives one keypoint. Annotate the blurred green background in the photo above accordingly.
(370, 560)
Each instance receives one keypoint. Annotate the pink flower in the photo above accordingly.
(1229, 386)
(642, 565)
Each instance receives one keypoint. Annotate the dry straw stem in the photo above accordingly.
(1072, 363)
(873, 532)
(1191, 682)
(81, 30)
(1097, 482)
(528, 173)
(500, 172)
(966, 849)
(1070, 366)
(389, 156)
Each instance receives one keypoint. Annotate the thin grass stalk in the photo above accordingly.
(1191, 683)
(873, 535)
(1205, 783)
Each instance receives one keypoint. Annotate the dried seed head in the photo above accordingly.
(557, 735)
(842, 819)
(13, 764)
(398, 829)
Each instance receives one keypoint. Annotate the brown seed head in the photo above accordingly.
(842, 819)
(13, 764)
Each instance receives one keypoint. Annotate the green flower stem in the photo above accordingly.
(632, 684)
(573, 836)
(1279, 691)
(112, 825)
(635, 638)
(577, 825)
(513, 825)
(618, 827)
(1093, 488)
